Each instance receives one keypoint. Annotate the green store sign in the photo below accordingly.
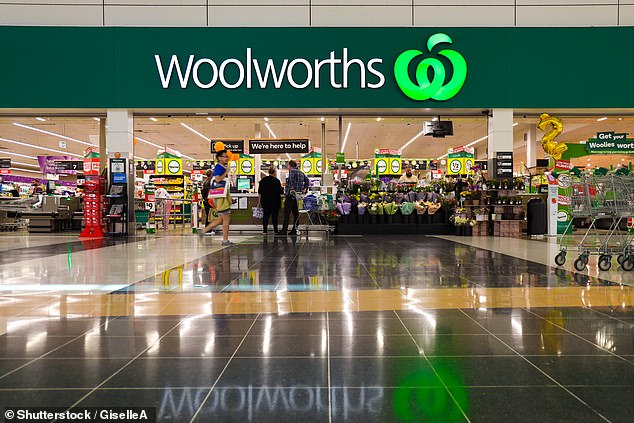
(337, 68)
(610, 143)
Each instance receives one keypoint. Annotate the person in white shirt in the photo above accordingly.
(163, 205)
(408, 177)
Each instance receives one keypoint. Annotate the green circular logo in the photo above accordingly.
(396, 166)
(319, 166)
(436, 89)
(307, 166)
(174, 166)
(246, 166)
(381, 166)
(159, 166)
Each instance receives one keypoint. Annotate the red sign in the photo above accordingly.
(387, 151)
(5, 171)
(198, 171)
(563, 165)
(564, 200)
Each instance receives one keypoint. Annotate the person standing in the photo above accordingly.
(408, 177)
(270, 198)
(223, 205)
(164, 205)
(296, 182)
(204, 193)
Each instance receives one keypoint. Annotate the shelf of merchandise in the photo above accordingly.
(172, 188)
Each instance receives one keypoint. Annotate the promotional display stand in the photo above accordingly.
(95, 205)
(117, 217)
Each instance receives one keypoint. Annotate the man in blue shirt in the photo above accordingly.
(296, 182)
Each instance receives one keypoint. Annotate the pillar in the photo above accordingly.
(531, 146)
(120, 139)
(500, 136)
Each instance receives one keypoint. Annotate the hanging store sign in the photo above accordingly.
(74, 165)
(504, 164)
(199, 167)
(610, 143)
(5, 166)
(258, 146)
(235, 146)
(147, 166)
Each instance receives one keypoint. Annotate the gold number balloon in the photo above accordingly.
(552, 148)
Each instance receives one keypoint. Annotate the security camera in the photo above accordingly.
(169, 116)
(222, 117)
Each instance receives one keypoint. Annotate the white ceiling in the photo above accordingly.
(367, 132)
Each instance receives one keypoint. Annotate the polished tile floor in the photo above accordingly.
(346, 329)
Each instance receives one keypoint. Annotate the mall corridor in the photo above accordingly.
(346, 329)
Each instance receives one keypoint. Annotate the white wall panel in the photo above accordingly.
(463, 16)
(362, 16)
(155, 16)
(52, 2)
(11, 14)
(565, 2)
(258, 16)
(155, 2)
(566, 15)
(259, 2)
(464, 2)
(362, 3)
(627, 15)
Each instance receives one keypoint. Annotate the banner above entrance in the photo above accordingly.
(259, 146)
(610, 143)
(237, 68)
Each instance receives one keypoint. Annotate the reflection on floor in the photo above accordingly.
(385, 329)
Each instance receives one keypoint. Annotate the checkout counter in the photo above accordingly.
(57, 214)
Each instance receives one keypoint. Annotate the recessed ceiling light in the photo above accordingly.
(622, 160)
(194, 131)
(40, 119)
(602, 119)
(620, 118)
(153, 119)
(515, 124)
(323, 119)
(210, 119)
(588, 165)
(266, 119)
(97, 119)
(379, 119)
(64, 137)
(65, 153)
(434, 119)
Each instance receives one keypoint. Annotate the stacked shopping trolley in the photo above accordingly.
(600, 197)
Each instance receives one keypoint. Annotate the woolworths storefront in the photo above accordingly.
(493, 83)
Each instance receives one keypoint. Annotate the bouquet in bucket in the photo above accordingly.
(390, 208)
(407, 208)
(344, 208)
(420, 207)
(462, 221)
(375, 208)
(361, 207)
(432, 208)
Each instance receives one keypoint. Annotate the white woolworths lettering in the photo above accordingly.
(268, 71)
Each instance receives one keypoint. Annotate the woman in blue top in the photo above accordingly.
(222, 205)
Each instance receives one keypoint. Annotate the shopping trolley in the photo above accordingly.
(310, 205)
(599, 197)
